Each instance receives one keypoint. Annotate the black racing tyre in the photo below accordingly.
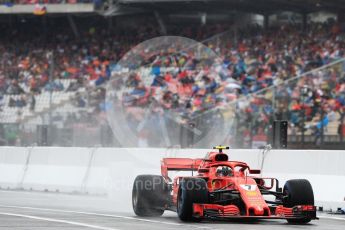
(149, 195)
(298, 192)
(191, 190)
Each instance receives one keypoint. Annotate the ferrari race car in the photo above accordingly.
(221, 189)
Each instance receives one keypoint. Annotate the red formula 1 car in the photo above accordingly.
(221, 189)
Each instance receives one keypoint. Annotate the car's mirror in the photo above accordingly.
(203, 170)
(269, 183)
(254, 171)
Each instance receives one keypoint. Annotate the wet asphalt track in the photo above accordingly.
(47, 211)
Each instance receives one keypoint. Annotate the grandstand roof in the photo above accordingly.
(254, 6)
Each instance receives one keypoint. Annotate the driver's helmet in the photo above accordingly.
(224, 171)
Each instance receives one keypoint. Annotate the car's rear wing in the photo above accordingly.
(179, 164)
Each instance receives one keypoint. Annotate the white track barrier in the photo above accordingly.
(325, 169)
(56, 169)
(13, 161)
(111, 171)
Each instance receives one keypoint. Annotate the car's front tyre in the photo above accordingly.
(191, 190)
(298, 192)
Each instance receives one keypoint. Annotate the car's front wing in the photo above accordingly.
(215, 211)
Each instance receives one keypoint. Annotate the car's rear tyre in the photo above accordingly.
(149, 195)
(298, 192)
(191, 190)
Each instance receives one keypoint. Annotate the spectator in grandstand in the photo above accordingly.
(2, 103)
(14, 88)
(320, 122)
(75, 85)
(11, 102)
(2, 83)
(80, 101)
(32, 102)
(21, 102)
(55, 85)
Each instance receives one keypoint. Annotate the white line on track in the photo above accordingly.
(332, 218)
(106, 215)
(57, 221)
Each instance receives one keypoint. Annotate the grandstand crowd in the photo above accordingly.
(253, 60)
(25, 2)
